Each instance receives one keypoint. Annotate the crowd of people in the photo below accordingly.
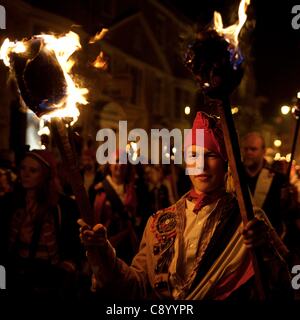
(158, 233)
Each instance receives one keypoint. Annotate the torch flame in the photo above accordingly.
(231, 33)
(43, 128)
(63, 47)
(99, 35)
(8, 47)
(100, 62)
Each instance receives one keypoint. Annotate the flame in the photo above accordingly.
(100, 62)
(63, 47)
(132, 149)
(231, 33)
(99, 35)
(43, 128)
(9, 47)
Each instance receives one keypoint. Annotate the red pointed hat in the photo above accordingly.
(213, 134)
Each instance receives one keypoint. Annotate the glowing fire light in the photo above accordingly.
(43, 128)
(187, 110)
(99, 36)
(285, 110)
(62, 47)
(277, 156)
(231, 33)
(100, 62)
(8, 47)
(277, 143)
(134, 150)
(234, 110)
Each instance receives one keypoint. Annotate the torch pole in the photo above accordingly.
(69, 160)
(239, 178)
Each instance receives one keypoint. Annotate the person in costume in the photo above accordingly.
(197, 248)
(269, 188)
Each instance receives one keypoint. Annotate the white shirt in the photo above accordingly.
(193, 232)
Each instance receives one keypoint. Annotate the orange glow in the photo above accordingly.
(9, 47)
(63, 47)
(100, 35)
(100, 62)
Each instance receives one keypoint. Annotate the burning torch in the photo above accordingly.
(42, 67)
(216, 62)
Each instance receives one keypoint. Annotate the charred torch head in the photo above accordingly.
(39, 77)
(215, 64)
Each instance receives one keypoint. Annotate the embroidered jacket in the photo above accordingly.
(224, 266)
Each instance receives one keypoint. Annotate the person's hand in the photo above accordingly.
(95, 242)
(100, 253)
(92, 237)
(255, 233)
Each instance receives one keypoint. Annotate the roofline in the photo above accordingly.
(140, 16)
(170, 14)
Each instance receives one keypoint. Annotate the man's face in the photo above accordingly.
(213, 175)
(87, 162)
(253, 151)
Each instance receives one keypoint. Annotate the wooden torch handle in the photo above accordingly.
(240, 182)
(69, 159)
